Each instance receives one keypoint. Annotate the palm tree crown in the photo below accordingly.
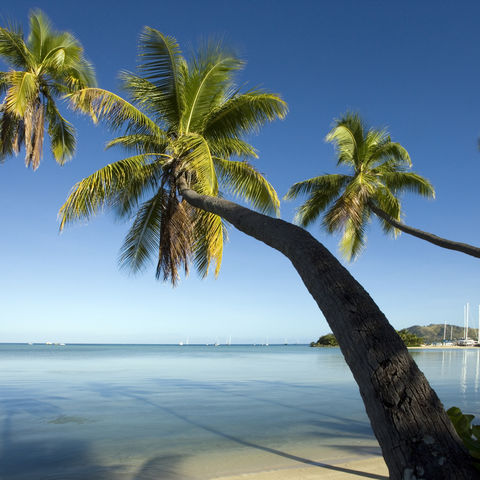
(184, 121)
(379, 173)
(47, 65)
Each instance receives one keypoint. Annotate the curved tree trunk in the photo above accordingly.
(429, 237)
(417, 438)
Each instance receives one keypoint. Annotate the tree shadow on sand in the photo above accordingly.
(125, 391)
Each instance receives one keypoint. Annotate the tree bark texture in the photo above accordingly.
(415, 434)
(429, 237)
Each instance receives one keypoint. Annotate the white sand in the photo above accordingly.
(373, 468)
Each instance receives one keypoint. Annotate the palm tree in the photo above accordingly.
(47, 65)
(184, 121)
(183, 126)
(379, 174)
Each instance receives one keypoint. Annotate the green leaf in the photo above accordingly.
(247, 183)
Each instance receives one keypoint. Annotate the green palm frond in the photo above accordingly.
(328, 183)
(102, 187)
(409, 182)
(323, 191)
(11, 133)
(161, 61)
(197, 159)
(142, 240)
(40, 34)
(208, 82)
(390, 204)
(105, 105)
(247, 183)
(245, 113)
(141, 142)
(23, 89)
(345, 144)
(390, 151)
(62, 134)
(145, 181)
(228, 147)
(209, 234)
(353, 239)
(13, 48)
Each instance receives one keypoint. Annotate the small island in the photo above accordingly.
(409, 338)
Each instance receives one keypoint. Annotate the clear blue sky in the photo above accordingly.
(412, 66)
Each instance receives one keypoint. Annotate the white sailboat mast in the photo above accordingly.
(468, 308)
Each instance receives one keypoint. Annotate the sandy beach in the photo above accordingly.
(373, 467)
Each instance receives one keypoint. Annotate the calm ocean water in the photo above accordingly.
(130, 412)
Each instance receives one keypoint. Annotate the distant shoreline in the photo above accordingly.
(450, 347)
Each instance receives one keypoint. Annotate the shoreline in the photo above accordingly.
(372, 467)
(448, 347)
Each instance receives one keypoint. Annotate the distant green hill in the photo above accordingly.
(433, 333)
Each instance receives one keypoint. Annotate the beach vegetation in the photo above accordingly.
(469, 434)
(410, 339)
(327, 340)
(42, 68)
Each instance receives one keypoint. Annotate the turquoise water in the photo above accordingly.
(129, 412)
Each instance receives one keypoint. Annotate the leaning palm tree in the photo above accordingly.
(184, 127)
(185, 122)
(379, 174)
(42, 68)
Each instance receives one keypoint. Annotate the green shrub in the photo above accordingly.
(327, 340)
(469, 434)
(410, 339)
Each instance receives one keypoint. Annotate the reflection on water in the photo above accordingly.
(151, 412)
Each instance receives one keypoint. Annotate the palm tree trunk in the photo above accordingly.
(429, 237)
(417, 438)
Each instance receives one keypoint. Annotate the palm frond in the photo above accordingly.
(390, 151)
(176, 240)
(345, 144)
(62, 134)
(40, 32)
(323, 191)
(209, 233)
(247, 183)
(142, 240)
(409, 182)
(161, 60)
(390, 204)
(22, 91)
(102, 104)
(11, 133)
(141, 143)
(330, 183)
(13, 49)
(197, 160)
(230, 146)
(88, 196)
(353, 240)
(207, 85)
(244, 113)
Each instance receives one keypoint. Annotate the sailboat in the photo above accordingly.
(465, 341)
